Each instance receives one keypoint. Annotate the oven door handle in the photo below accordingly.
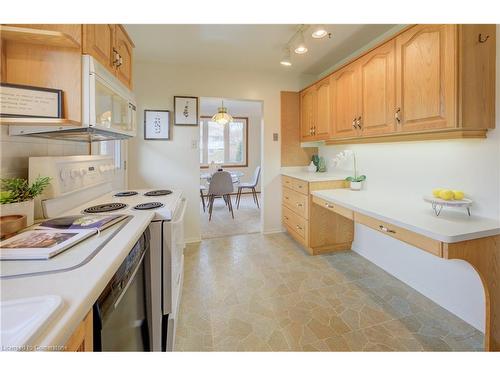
(139, 264)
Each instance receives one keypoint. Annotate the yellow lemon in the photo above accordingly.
(458, 195)
(436, 192)
(446, 195)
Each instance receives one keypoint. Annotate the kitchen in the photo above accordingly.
(378, 187)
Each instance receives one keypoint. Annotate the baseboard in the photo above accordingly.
(192, 240)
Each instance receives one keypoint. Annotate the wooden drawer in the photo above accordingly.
(297, 202)
(428, 244)
(295, 222)
(299, 186)
(334, 207)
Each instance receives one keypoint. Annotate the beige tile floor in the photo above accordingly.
(264, 293)
(246, 218)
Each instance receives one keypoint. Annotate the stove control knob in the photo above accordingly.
(64, 174)
(83, 172)
(74, 173)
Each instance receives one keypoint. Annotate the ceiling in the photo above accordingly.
(248, 47)
(245, 108)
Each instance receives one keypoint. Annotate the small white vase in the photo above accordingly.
(356, 185)
(311, 167)
(21, 208)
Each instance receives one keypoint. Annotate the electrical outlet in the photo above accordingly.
(194, 144)
(275, 137)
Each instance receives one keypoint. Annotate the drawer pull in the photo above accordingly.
(298, 227)
(299, 204)
(328, 205)
(300, 186)
(386, 230)
(287, 197)
(286, 217)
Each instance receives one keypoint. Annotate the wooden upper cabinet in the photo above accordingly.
(378, 90)
(124, 47)
(426, 77)
(98, 42)
(345, 101)
(306, 114)
(322, 110)
(112, 47)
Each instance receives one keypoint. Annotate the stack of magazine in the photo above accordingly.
(55, 236)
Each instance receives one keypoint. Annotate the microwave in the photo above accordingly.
(108, 110)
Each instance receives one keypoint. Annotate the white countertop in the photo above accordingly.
(301, 173)
(78, 288)
(412, 213)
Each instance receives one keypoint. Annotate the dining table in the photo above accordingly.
(235, 175)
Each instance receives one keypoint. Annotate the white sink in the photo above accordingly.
(22, 319)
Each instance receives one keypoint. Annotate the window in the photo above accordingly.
(224, 144)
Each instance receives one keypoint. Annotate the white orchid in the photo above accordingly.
(345, 155)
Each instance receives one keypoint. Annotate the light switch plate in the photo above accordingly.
(194, 144)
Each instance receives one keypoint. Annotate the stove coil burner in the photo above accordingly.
(148, 206)
(126, 193)
(106, 207)
(157, 193)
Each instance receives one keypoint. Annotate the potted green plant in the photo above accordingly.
(356, 181)
(17, 195)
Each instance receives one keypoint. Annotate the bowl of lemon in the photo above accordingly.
(448, 198)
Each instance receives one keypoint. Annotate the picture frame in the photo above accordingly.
(186, 110)
(30, 101)
(157, 125)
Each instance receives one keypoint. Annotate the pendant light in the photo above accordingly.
(319, 32)
(222, 117)
(285, 60)
(300, 48)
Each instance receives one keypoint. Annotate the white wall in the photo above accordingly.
(416, 168)
(175, 163)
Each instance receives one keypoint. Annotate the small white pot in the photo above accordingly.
(21, 208)
(356, 185)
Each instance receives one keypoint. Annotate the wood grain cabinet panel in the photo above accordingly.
(322, 110)
(306, 114)
(82, 339)
(345, 101)
(378, 90)
(98, 41)
(426, 77)
(124, 47)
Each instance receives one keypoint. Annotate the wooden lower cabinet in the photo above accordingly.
(82, 339)
(318, 230)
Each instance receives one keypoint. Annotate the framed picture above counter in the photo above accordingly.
(30, 101)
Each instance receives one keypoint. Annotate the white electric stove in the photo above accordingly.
(82, 184)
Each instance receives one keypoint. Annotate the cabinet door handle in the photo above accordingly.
(396, 115)
(298, 227)
(328, 205)
(299, 186)
(116, 57)
(286, 217)
(354, 122)
(386, 230)
(358, 122)
(299, 204)
(120, 60)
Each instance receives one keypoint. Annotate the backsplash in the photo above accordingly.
(15, 152)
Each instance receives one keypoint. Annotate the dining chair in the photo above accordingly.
(249, 185)
(221, 185)
(202, 187)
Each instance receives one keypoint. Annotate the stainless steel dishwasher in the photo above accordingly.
(121, 312)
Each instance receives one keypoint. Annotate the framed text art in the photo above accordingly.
(156, 124)
(30, 101)
(186, 110)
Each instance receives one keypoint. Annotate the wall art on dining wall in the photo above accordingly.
(156, 124)
(186, 110)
